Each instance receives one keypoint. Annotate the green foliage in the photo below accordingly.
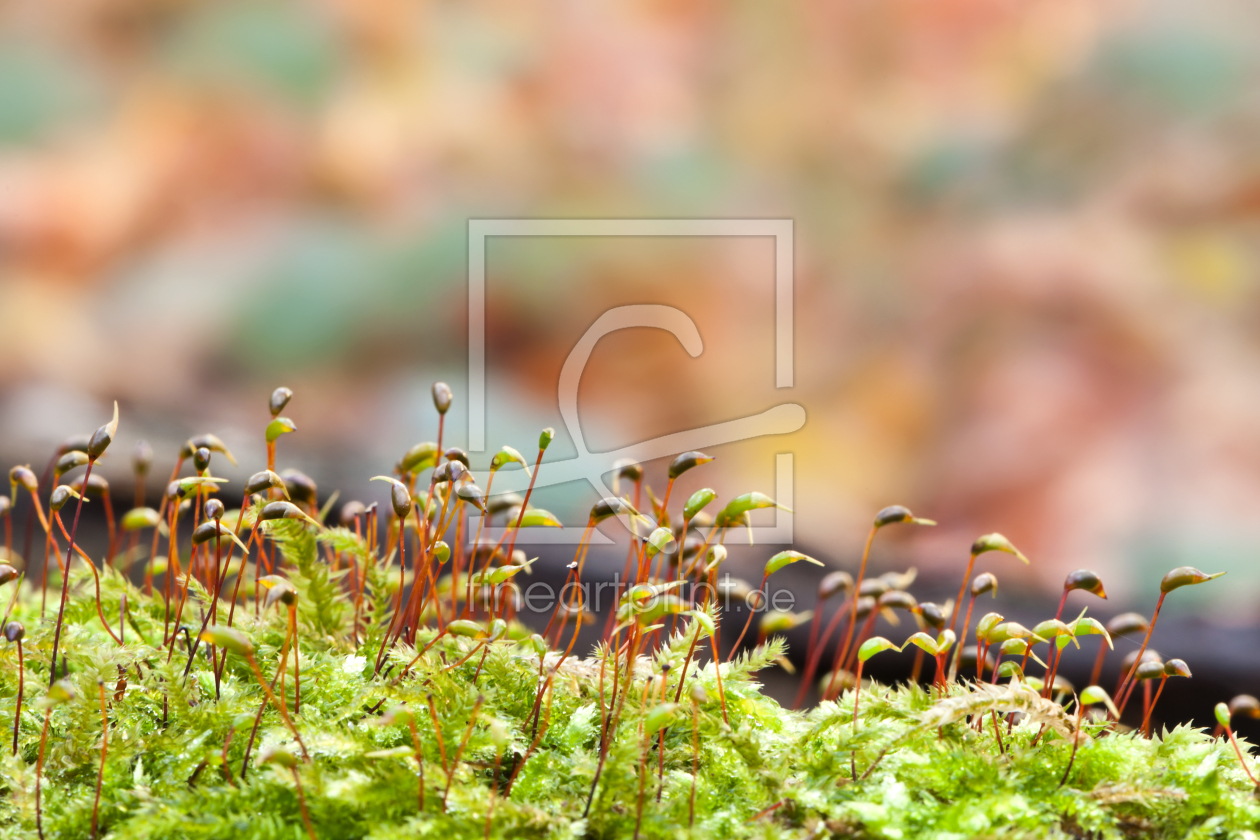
(923, 768)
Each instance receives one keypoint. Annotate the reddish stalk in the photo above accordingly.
(65, 578)
(761, 600)
(39, 773)
(525, 504)
(100, 776)
(437, 731)
(1241, 760)
(546, 724)
(1146, 721)
(17, 714)
(306, 817)
(1098, 661)
(284, 713)
(811, 662)
(1127, 683)
(450, 776)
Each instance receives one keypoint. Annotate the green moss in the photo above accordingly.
(937, 777)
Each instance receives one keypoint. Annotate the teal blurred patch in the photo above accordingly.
(39, 91)
(278, 47)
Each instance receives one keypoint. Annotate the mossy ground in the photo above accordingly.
(937, 777)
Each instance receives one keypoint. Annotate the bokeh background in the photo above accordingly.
(1025, 244)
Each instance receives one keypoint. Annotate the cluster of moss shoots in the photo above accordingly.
(268, 674)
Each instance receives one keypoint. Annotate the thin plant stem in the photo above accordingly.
(415, 741)
(65, 577)
(284, 713)
(1241, 760)
(306, 817)
(1126, 685)
(1098, 661)
(100, 776)
(437, 731)
(953, 617)
(751, 612)
(1146, 721)
(1076, 742)
(450, 776)
(17, 713)
(39, 773)
(695, 762)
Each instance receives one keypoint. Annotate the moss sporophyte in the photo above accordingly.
(280, 671)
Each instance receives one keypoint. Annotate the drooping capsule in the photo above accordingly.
(451, 471)
(399, 497)
(984, 582)
(1149, 655)
(284, 510)
(277, 427)
(201, 459)
(900, 580)
(865, 605)
(350, 511)
(8, 573)
(898, 513)
(473, 495)
(996, 542)
(687, 461)
(787, 558)
(206, 441)
(1185, 576)
(25, 477)
(282, 593)
(987, 622)
(419, 457)
(301, 487)
(14, 631)
(1245, 704)
(933, 615)
(1086, 581)
(213, 509)
(967, 659)
(736, 510)
(507, 455)
(141, 458)
(70, 461)
(62, 691)
(74, 443)
(1127, 624)
(897, 600)
(500, 502)
(60, 495)
(97, 485)
(872, 588)
(228, 638)
(782, 621)
(261, 482)
(627, 469)
(833, 584)
(457, 454)
(609, 507)
(141, 517)
(279, 399)
(442, 397)
(103, 436)
(1176, 668)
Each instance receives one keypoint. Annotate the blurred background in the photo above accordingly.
(1026, 287)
